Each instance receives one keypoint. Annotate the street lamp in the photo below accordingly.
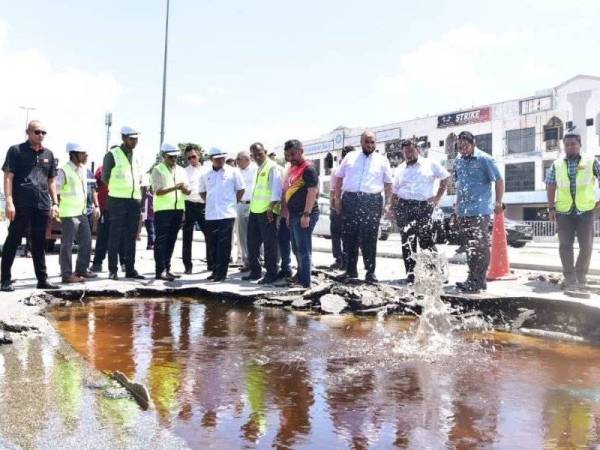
(164, 85)
(27, 109)
(108, 123)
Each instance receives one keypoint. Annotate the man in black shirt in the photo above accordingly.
(301, 188)
(31, 199)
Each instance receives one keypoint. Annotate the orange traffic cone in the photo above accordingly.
(499, 266)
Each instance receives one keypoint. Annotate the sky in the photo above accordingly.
(267, 70)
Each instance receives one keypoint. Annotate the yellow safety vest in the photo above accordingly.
(262, 193)
(174, 199)
(585, 191)
(72, 193)
(125, 177)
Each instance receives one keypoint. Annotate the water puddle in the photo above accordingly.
(236, 377)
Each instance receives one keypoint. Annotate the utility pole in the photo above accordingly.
(27, 109)
(108, 123)
(164, 85)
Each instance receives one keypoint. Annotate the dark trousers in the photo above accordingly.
(302, 239)
(102, 236)
(37, 221)
(218, 244)
(194, 214)
(414, 222)
(475, 233)
(569, 226)
(167, 225)
(150, 231)
(361, 213)
(261, 231)
(284, 241)
(124, 221)
(335, 228)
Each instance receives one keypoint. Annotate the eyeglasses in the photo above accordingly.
(192, 157)
(42, 132)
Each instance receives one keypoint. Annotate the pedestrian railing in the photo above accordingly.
(544, 230)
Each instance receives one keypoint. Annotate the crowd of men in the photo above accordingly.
(271, 209)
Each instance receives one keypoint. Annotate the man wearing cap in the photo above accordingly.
(264, 210)
(474, 173)
(221, 187)
(364, 175)
(194, 206)
(169, 183)
(414, 202)
(73, 190)
(571, 188)
(123, 175)
(31, 199)
(248, 170)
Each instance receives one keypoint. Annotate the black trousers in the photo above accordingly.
(361, 216)
(194, 214)
(124, 221)
(335, 228)
(414, 221)
(218, 244)
(475, 232)
(261, 231)
(166, 225)
(37, 221)
(102, 236)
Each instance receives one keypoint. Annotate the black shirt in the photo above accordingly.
(299, 189)
(31, 169)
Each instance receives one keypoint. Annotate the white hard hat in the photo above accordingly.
(129, 131)
(169, 149)
(215, 152)
(75, 147)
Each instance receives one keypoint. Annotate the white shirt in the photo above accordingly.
(361, 173)
(221, 187)
(193, 176)
(248, 174)
(416, 181)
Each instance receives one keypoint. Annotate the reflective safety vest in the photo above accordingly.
(261, 194)
(174, 199)
(125, 177)
(585, 189)
(73, 199)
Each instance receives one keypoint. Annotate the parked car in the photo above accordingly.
(322, 228)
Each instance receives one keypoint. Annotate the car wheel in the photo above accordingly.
(517, 244)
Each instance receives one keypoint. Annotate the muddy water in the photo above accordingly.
(223, 377)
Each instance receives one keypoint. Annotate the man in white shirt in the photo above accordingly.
(336, 222)
(414, 202)
(248, 170)
(363, 177)
(221, 187)
(194, 207)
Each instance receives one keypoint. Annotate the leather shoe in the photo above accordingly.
(113, 276)
(171, 274)
(72, 279)
(283, 274)
(165, 277)
(267, 280)
(188, 271)
(251, 277)
(135, 275)
(346, 276)
(86, 274)
(218, 279)
(96, 268)
(371, 278)
(7, 286)
(211, 277)
(46, 285)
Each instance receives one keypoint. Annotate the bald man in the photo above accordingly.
(31, 199)
(362, 177)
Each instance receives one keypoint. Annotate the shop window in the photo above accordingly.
(394, 153)
(441, 143)
(553, 133)
(589, 122)
(484, 142)
(520, 177)
(521, 140)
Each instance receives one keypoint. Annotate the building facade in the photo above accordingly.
(524, 135)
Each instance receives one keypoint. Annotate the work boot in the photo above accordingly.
(45, 284)
(87, 274)
(72, 279)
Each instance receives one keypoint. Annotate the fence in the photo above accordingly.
(544, 230)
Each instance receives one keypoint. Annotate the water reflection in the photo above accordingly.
(235, 377)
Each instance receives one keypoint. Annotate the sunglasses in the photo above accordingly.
(192, 157)
(42, 132)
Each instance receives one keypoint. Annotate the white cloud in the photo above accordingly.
(70, 101)
(463, 67)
